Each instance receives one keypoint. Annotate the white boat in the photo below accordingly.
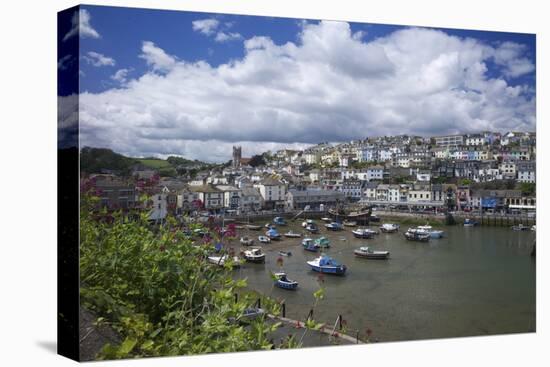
(325, 264)
(254, 255)
(221, 260)
(326, 219)
(334, 226)
(350, 223)
(245, 241)
(283, 282)
(470, 222)
(363, 233)
(307, 222)
(291, 234)
(264, 239)
(415, 234)
(389, 227)
(434, 233)
(252, 227)
(533, 227)
(367, 253)
(520, 227)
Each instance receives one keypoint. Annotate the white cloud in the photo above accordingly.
(81, 26)
(206, 26)
(156, 57)
(224, 37)
(64, 62)
(328, 86)
(120, 76)
(509, 56)
(97, 59)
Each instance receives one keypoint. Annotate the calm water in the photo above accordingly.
(475, 281)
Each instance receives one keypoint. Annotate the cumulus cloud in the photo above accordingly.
(81, 26)
(224, 37)
(509, 56)
(156, 57)
(327, 86)
(64, 62)
(206, 26)
(120, 75)
(97, 59)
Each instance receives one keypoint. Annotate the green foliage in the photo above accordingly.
(528, 188)
(257, 160)
(156, 289)
(94, 160)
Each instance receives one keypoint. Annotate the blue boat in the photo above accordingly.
(310, 245)
(325, 264)
(334, 226)
(469, 222)
(280, 221)
(285, 283)
(272, 234)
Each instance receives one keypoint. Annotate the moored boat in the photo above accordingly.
(434, 233)
(350, 223)
(280, 221)
(252, 227)
(326, 219)
(533, 227)
(520, 227)
(470, 222)
(221, 260)
(363, 233)
(389, 227)
(254, 255)
(285, 253)
(414, 234)
(307, 222)
(291, 234)
(322, 242)
(310, 245)
(327, 265)
(273, 234)
(264, 239)
(367, 253)
(334, 226)
(312, 228)
(245, 241)
(283, 281)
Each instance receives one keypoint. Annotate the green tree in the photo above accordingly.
(528, 188)
(155, 287)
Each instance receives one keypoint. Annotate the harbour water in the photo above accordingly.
(474, 281)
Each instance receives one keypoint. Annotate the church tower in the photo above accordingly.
(237, 157)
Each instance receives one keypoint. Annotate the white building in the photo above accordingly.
(273, 192)
(375, 173)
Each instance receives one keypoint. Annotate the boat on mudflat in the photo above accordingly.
(312, 228)
(273, 234)
(326, 219)
(310, 245)
(334, 226)
(264, 239)
(350, 223)
(363, 233)
(280, 221)
(327, 265)
(252, 227)
(254, 255)
(322, 242)
(285, 253)
(389, 227)
(283, 281)
(367, 253)
(414, 234)
(291, 234)
(245, 241)
(221, 260)
(307, 222)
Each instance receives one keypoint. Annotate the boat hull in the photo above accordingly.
(372, 256)
(340, 270)
(286, 285)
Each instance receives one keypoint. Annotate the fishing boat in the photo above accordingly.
(374, 218)
(534, 227)
(285, 253)
(291, 234)
(312, 228)
(254, 255)
(269, 225)
(434, 233)
(310, 245)
(245, 241)
(308, 222)
(367, 253)
(285, 283)
(334, 226)
(360, 215)
(273, 234)
(469, 222)
(363, 233)
(325, 264)
(264, 239)
(221, 260)
(280, 221)
(414, 234)
(322, 242)
(520, 227)
(350, 223)
(326, 219)
(389, 227)
(252, 227)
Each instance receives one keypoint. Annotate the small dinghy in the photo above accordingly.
(367, 253)
(221, 260)
(285, 283)
(291, 234)
(310, 245)
(389, 227)
(245, 241)
(327, 265)
(264, 239)
(285, 253)
(363, 233)
(254, 255)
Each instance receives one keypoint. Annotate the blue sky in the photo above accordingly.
(155, 82)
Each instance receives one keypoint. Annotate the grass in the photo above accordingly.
(155, 163)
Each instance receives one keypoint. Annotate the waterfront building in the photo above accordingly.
(449, 140)
(312, 198)
(273, 192)
(211, 197)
